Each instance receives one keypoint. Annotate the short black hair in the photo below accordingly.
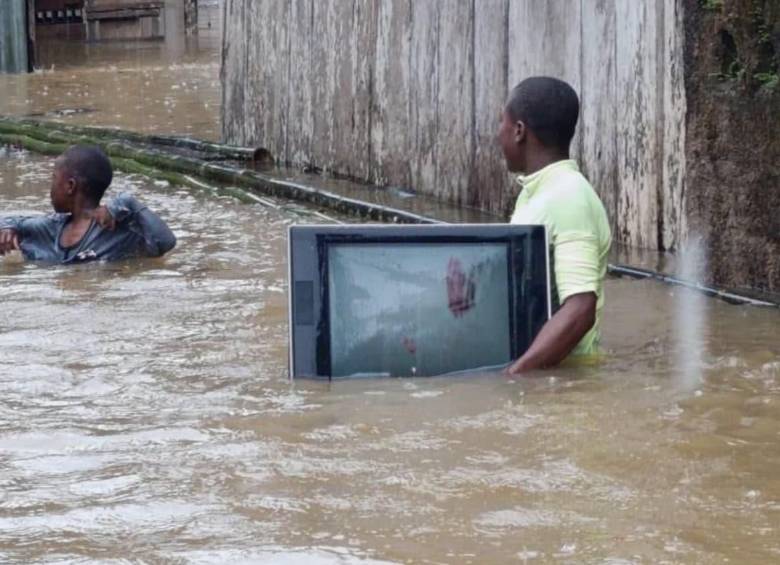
(91, 168)
(549, 107)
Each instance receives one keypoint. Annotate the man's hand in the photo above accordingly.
(560, 335)
(9, 241)
(103, 218)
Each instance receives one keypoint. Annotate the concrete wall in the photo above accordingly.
(13, 36)
(732, 143)
(408, 93)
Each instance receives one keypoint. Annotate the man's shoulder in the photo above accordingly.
(567, 193)
(573, 204)
(568, 184)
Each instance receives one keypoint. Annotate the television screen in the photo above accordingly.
(417, 308)
(414, 300)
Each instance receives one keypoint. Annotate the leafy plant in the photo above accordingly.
(712, 5)
(767, 80)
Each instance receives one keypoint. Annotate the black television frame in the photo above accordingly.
(308, 292)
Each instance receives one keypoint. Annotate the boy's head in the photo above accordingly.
(540, 116)
(81, 176)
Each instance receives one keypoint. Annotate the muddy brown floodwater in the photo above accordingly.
(145, 413)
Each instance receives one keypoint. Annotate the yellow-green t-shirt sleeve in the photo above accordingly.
(577, 264)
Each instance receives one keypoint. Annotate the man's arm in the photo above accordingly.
(157, 236)
(560, 335)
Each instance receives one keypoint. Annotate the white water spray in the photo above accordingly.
(690, 314)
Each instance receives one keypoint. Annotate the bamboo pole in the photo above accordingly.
(213, 150)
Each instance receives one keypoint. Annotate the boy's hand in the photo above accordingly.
(104, 219)
(9, 240)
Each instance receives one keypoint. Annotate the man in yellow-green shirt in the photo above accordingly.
(537, 126)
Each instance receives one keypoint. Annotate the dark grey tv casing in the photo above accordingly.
(309, 347)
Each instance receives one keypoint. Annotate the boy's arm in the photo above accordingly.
(32, 231)
(157, 236)
(9, 240)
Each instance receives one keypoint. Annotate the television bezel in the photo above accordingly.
(325, 234)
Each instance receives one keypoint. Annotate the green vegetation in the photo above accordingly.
(767, 80)
(711, 4)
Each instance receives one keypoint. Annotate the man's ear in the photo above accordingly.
(72, 185)
(520, 132)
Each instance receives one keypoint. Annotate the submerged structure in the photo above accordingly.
(124, 19)
(408, 94)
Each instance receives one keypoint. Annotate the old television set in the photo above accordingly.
(415, 300)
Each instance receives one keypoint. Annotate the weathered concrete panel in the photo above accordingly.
(233, 74)
(489, 185)
(341, 85)
(423, 96)
(13, 36)
(268, 95)
(302, 75)
(672, 153)
(638, 121)
(598, 94)
(391, 141)
(455, 102)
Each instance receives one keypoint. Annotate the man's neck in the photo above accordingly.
(540, 160)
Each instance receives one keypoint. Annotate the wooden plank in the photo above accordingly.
(490, 185)
(599, 102)
(267, 83)
(233, 74)
(302, 79)
(637, 116)
(341, 89)
(674, 113)
(390, 136)
(455, 102)
(423, 109)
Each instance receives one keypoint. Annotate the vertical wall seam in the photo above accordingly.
(660, 121)
(509, 186)
(374, 33)
(507, 13)
(222, 79)
(290, 14)
(581, 148)
(679, 30)
(615, 138)
(312, 90)
(437, 117)
(472, 188)
(413, 167)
